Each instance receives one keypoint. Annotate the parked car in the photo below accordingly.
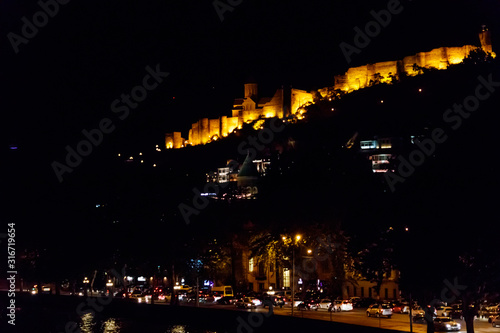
(308, 305)
(135, 294)
(296, 302)
(417, 311)
(256, 301)
(324, 303)
(162, 298)
(226, 300)
(443, 311)
(379, 310)
(246, 303)
(397, 307)
(495, 322)
(446, 324)
(274, 300)
(340, 305)
(335, 306)
(354, 300)
(364, 302)
(119, 294)
(400, 307)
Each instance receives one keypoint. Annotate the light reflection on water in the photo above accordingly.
(87, 323)
(110, 326)
(90, 324)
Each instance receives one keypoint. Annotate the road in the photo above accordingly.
(398, 321)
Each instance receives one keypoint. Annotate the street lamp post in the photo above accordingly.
(297, 238)
(293, 278)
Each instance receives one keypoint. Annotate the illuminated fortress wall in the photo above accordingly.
(441, 58)
(245, 110)
(286, 102)
(174, 140)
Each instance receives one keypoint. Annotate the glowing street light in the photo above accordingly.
(297, 239)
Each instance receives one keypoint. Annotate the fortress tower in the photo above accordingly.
(485, 38)
(251, 91)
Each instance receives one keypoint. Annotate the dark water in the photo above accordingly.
(89, 323)
(96, 323)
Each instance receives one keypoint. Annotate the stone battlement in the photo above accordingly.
(288, 101)
(441, 58)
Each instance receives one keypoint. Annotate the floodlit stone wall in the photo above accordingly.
(441, 58)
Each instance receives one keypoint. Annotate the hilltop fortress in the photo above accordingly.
(288, 102)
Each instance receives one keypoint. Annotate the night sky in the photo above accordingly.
(65, 78)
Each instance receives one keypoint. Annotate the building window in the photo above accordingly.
(271, 267)
(261, 286)
(347, 290)
(250, 286)
(262, 270)
(354, 291)
(286, 278)
(362, 291)
(250, 265)
(386, 293)
(370, 292)
(395, 293)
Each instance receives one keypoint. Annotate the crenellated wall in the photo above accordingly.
(174, 140)
(441, 58)
(286, 102)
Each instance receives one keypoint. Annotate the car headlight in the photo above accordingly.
(448, 325)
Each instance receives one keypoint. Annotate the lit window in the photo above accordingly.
(250, 265)
(286, 278)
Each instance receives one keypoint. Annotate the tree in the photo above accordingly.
(477, 56)
(375, 260)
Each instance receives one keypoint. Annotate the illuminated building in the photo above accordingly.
(441, 58)
(288, 103)
(285, 102)
(381, 152)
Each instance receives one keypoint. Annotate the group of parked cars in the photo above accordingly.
(326, 304)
